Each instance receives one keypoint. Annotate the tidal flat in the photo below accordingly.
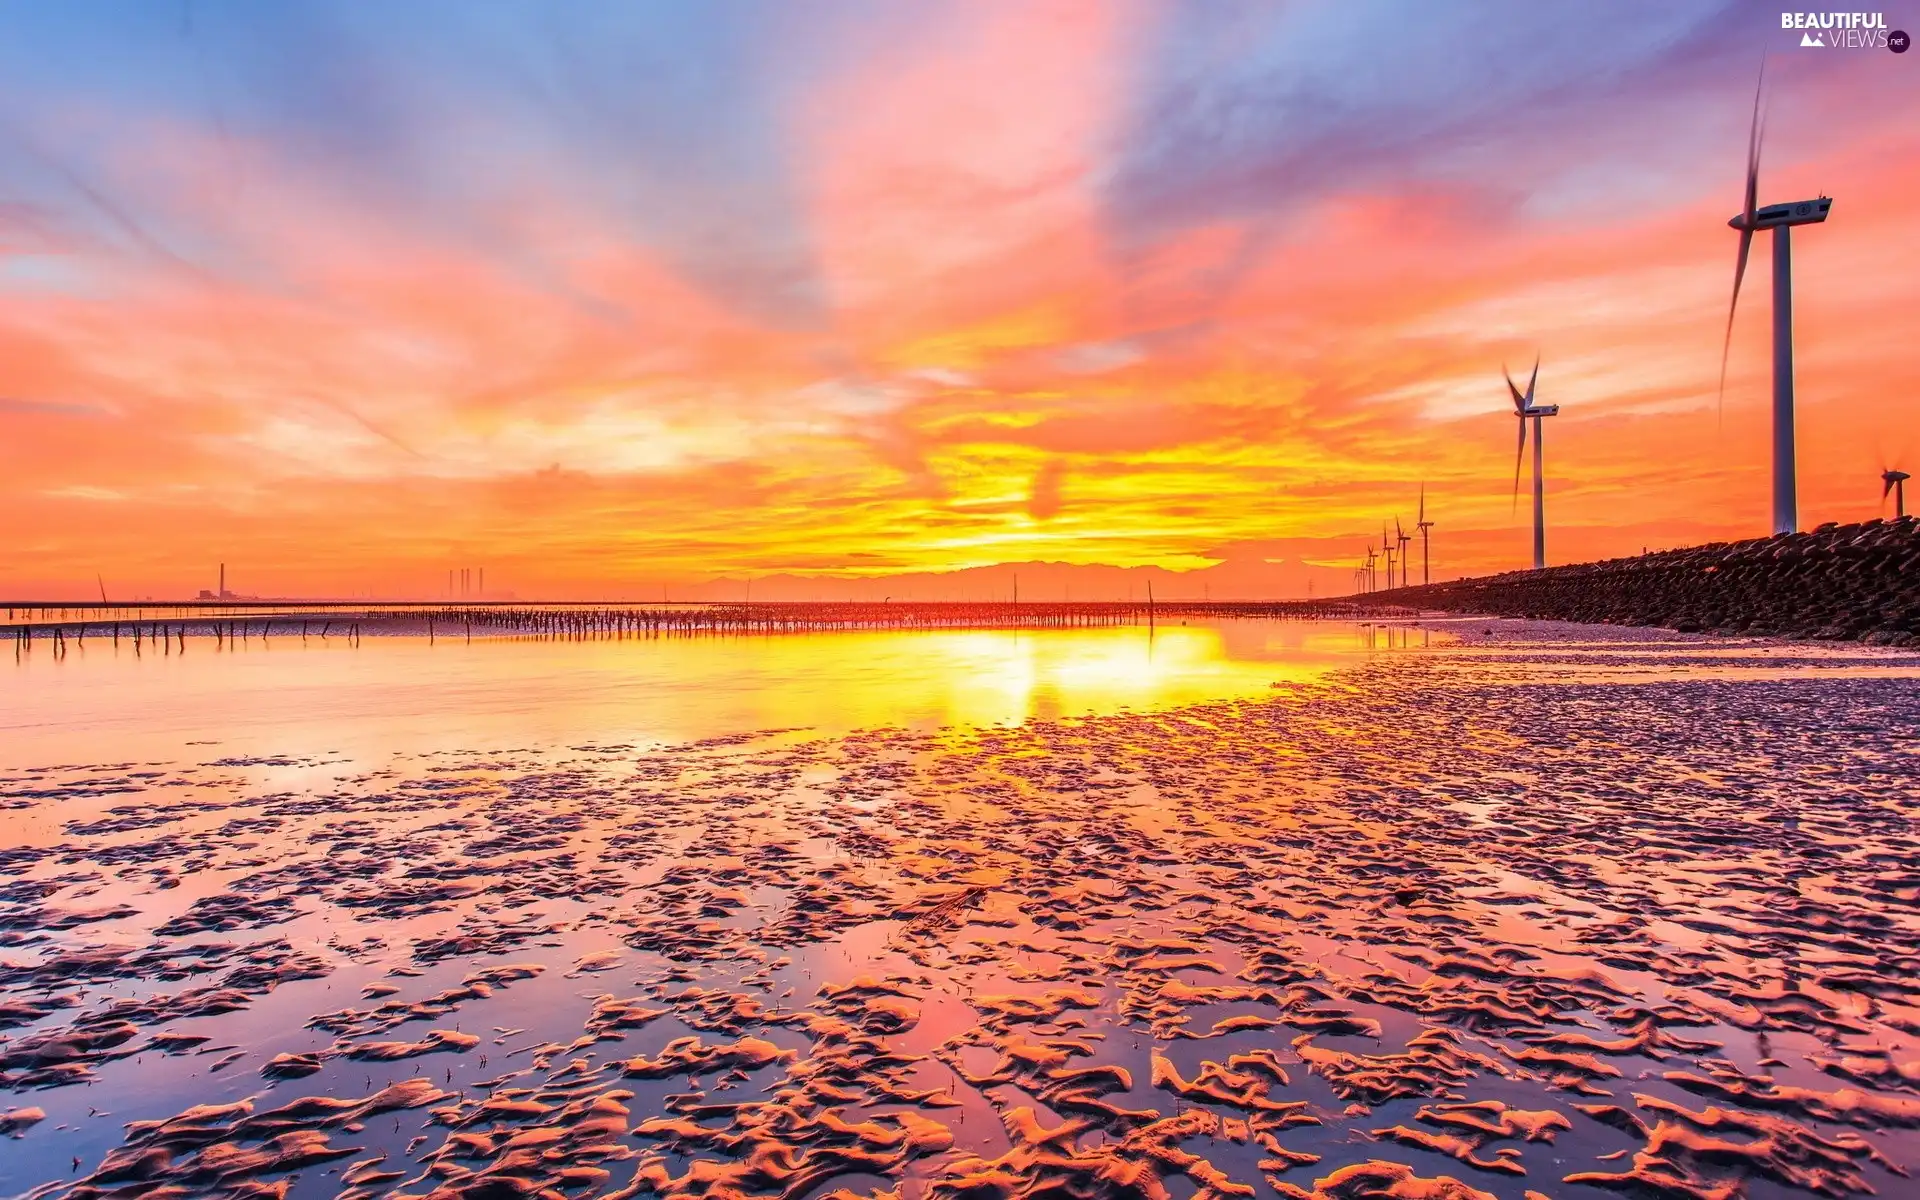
(1471, 909)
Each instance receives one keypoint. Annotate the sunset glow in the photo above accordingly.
(615, 298)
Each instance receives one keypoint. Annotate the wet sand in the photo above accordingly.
(1556, 911)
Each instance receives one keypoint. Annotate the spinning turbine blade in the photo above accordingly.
(1533, 379)
(1519, 401)
(1520, 452)
(1726, 344)
(1754, 135)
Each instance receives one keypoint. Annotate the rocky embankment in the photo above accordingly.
(1839, 582)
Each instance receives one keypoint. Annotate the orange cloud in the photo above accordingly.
(1001, 346)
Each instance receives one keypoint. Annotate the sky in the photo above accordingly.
(613, 299)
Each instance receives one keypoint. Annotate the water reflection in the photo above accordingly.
(289, 696)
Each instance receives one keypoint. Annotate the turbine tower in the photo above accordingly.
(1525, 409)
(1403, 537)
(1422, 524)
(1780, 218)
(1372, 579)
(1386, 550)
(1895, 481)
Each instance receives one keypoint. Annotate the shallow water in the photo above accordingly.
(1247, 910)
(292, 695)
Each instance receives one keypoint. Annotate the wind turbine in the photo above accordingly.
(1895, 481)
(1422, 524)
(1403, 537)
(1386, 546)
(1781, 218)
(1372, 579)
(1525, 409)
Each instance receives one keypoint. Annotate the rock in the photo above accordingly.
(1837, 583)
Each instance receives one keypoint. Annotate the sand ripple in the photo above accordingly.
(1439, 929)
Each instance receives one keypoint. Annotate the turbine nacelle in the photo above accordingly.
(1539, 410)
(1774, 216)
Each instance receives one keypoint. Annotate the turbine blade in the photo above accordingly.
(1726, 344)
(1532, 379)
(1887, 489)
(1749, 204)
(1422, 518)
(1755, 134)
(1519, 453)
(1519, 401)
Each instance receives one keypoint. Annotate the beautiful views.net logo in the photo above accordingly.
(1844, 30)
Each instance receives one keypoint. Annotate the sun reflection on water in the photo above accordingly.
(400, 693)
